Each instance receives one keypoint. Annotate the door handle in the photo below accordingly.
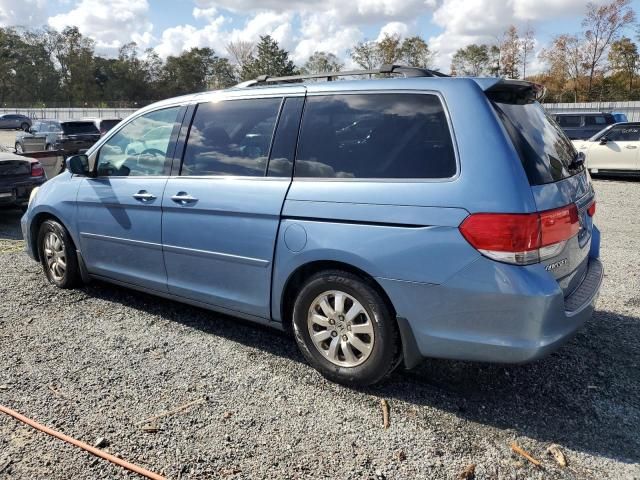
(144, 196)
(631, 147)
(183, 198)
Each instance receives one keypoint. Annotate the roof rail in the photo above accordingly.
(384, 69)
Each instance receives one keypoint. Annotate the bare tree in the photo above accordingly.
(603, 26)
(527, 43)
(241, 52)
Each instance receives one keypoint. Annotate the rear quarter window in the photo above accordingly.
(376, 136)
(74, 128)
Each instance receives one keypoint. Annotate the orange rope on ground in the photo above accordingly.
(95, 451)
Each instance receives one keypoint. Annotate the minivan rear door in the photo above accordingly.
(222, 213)
(557, 176)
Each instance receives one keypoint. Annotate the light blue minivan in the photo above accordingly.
(382, 220)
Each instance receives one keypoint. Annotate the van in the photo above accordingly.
(581, 126)
(381, 221)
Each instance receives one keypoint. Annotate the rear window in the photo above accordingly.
(546, 153)
(106, 125)
(75, 128)
(375, 136)
(569, 120)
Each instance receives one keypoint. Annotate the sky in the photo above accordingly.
(300, 26)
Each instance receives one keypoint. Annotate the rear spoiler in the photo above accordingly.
(518, 92)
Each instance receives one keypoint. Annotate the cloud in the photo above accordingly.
(26, 13)
(109, 23)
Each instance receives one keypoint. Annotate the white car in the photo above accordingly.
(615, 149)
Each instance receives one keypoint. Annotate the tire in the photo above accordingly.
(341, 357)
(48, 147)
(58, 255)
(25, 127)
(19, 149)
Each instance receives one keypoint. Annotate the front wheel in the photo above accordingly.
(345, 329)
(19, 149)
(25, 127)
(57, 255)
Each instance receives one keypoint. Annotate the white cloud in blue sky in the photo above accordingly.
(301, 26)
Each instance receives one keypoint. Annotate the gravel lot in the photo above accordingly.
(96, 361)
(8, 139)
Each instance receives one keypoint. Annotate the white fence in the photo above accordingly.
(630, 109)
(70, 113)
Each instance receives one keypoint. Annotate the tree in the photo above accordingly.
(320, 62)
(416, 53)
(389, 49)
(270, 60)
(624, 58)
(241, 53)
(365, 54)
(196, 70)
(567, 60)
(472, 60)
(510, 54)
(494, 61)
(603, 26)
(526, 44)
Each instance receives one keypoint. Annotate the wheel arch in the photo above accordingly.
(303, 272)
(34, 228)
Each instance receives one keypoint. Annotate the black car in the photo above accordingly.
(18, 176)
(70, 136)
(581, 126)
(15, 121)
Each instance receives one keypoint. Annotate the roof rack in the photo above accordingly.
(384, 69)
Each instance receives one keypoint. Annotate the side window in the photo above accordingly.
(140, 147)
(283, 150)
(231, 137)
(624, 133)
(375, 136)
(569, 120)
(595, 120)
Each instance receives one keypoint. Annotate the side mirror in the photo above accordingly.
(79, 165)
(604, 141)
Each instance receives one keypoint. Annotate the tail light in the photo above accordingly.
(521, 239)
(36, 169)
(592, 209)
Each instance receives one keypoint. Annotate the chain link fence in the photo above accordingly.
(66, 113)
(630, 109)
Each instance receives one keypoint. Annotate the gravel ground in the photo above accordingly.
(97, 361)
(7, 139)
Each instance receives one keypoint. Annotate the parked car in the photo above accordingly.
(457, 222)
(580, 126)
(15, 121)
(619, 117)
(69, 136)
(613, 150)
(104, 124)
(18, 177)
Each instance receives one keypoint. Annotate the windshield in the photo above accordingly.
(546, 153)
(76, 128)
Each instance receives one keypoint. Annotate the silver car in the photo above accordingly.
(15, 121)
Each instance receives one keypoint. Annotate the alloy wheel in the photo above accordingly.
(56, 259)
(340, 328)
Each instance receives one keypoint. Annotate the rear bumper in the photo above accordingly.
(17, 193)
(492, 312)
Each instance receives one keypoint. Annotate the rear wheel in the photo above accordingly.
(25, 127)
(57, 255)
(19, 149)
(345, 329)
